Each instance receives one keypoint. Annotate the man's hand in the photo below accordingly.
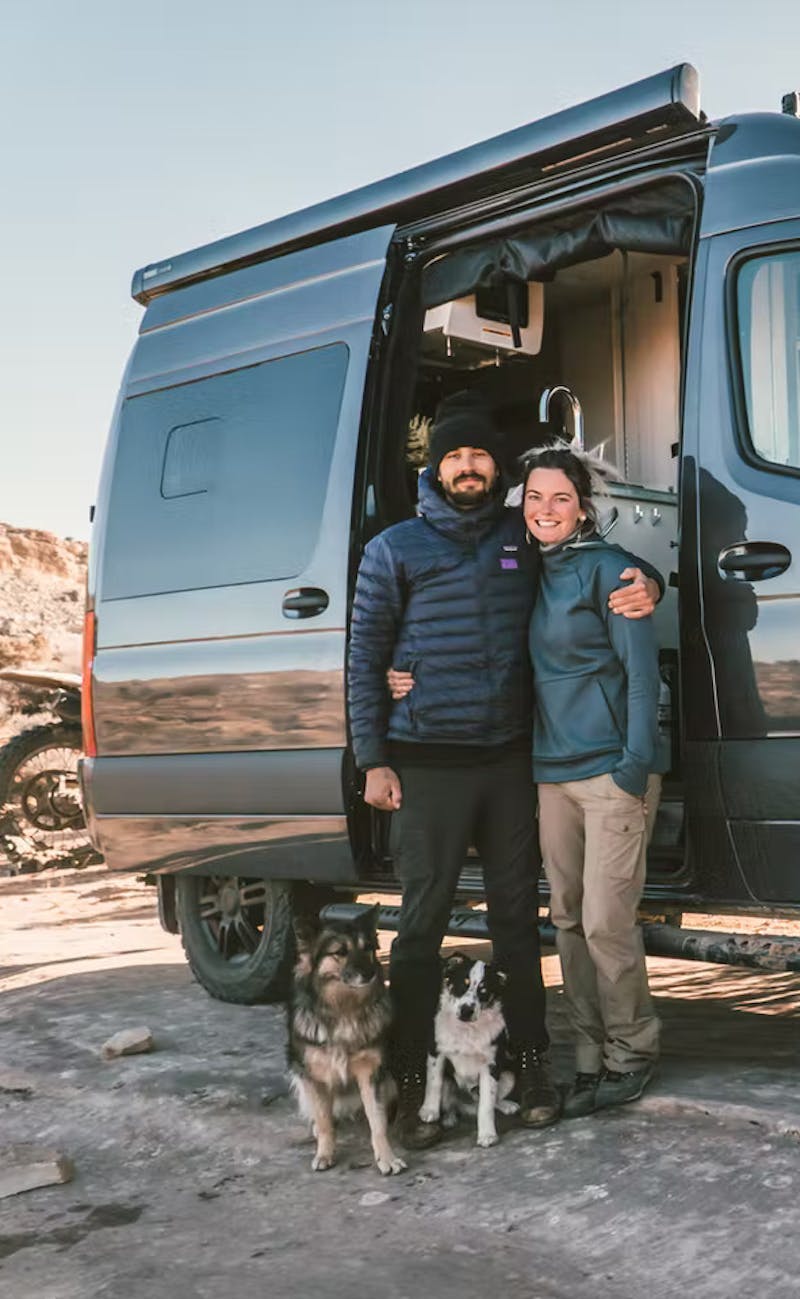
(637, 600)
(400, 683)
(383, 789)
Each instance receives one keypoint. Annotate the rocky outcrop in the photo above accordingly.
(29, 550)
(42, 583)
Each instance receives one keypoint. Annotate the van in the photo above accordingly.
(624, 272)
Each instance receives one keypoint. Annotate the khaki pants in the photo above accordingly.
(594, 837)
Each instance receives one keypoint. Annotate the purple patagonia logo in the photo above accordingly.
(507, 562)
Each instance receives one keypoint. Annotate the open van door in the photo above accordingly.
(740, 561)
(222, 548)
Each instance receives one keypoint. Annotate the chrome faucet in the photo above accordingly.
(577, 414)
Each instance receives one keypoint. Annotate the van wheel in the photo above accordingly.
(237, 935)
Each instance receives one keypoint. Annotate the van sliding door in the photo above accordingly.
(223, 539)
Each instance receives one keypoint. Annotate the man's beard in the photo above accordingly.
(467, 498)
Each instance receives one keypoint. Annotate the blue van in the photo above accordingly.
(624, 270)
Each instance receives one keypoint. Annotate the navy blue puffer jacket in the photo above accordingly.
(447, 595)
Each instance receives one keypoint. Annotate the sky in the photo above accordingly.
(133, 131)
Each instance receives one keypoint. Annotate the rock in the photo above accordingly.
(24, 1167)
(42, 579)
(129, 1041)
(15, 1083)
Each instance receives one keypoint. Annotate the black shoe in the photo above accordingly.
(581, 1097)
(409, 1069)
(620, 1088)
(539, 1101)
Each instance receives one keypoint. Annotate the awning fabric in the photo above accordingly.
(657, 219)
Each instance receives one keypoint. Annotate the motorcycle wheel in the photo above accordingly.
(40, 799)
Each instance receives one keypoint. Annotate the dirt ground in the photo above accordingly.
(193, 1174)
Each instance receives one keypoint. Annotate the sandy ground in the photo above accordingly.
(193, 1174)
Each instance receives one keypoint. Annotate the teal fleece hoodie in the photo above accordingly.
(596, 676)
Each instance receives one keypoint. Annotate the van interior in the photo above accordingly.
(570, 329)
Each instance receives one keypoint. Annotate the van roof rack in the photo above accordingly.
(666, 102)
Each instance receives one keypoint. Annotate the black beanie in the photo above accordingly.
(464, 419)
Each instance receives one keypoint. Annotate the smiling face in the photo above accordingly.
(467, 475)
(551, 505)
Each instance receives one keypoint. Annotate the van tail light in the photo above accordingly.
(87, 703)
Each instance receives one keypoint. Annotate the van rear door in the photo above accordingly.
(740, 566)
(221, 553)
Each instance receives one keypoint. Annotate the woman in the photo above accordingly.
(596, 684)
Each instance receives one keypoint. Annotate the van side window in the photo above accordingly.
(189, 458)
(768, 311)
(223, 480)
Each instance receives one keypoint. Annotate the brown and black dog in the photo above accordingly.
(339, 1015)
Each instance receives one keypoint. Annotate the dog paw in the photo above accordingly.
(429, 1115)
(392, 1164)
(508, 1107)
(486, 1139)
(321, 1163)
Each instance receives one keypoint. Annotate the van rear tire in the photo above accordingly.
(237, 935)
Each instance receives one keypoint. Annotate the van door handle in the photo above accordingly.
(753, 561)
(304, 602)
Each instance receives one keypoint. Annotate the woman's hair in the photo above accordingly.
(588, 474)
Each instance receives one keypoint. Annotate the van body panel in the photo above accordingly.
(715, 869)
(257, 329)
(290, 848)
(309, 269)
(771, 851)
(206, 671)
(740, 663)
(221, 784)
(750, 627)
(753, 173)
(771, 795)
(240, 693)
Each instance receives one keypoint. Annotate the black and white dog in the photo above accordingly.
(471, 1049)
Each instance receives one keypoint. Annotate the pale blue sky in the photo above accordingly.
(131, 132)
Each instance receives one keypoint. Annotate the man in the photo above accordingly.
(448, 596)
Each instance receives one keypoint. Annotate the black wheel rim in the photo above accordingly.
(45, 802)
(234, 914)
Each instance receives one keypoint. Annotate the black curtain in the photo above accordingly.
(654, 220)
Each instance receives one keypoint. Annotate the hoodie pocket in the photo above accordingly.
(614, 694)
(573, 718)
(404, 711)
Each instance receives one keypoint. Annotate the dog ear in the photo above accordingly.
(454, 958)
(367, 920)
(307, 928)
(498, 974)
(366, 925)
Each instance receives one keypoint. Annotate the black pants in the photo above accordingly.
(444, 811)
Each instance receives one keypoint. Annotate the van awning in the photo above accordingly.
(654, 108)
(654, 219)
